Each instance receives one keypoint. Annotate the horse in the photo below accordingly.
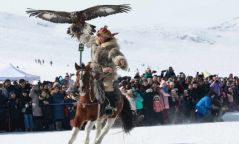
(88, 109)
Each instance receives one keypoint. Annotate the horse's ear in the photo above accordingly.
(89, 65)
(77, 67)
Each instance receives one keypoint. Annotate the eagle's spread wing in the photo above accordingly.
(104, 10)
(52, 16)
(78, 18)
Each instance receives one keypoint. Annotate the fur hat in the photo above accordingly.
(156, 97)
(104, 32)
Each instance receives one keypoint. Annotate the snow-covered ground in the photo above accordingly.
(213, 49)
(203, 133)
(206, 133)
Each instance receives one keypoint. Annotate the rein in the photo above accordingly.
(87, 104)
(90, 90)
(92, 99)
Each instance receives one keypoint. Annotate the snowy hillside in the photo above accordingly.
(228, 26)
(23, 39)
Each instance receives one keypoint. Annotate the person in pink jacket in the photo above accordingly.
(158, 104)
(158, 108)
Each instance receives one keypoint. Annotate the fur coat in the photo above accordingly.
(104, 55)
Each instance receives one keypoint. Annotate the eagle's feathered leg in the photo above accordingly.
(89, 29)
(75, 30)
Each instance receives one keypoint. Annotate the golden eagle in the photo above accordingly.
(78, 18)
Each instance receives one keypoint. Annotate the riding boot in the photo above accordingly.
(110, 100)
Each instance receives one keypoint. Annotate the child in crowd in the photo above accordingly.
(158, 108)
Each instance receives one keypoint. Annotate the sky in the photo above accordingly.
(182, 13)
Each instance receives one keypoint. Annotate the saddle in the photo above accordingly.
(107, 100)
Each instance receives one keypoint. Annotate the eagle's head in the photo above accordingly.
(74, 30)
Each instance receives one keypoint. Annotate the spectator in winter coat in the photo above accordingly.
(216, 109)
(3, 109)
(202, 89)
(187, 105)
(148, 73)
(174, 106)
(170, 73)
(230, 98)
(216, 86)
(147, 93)
(164, 93)
(203, 107)
(236, 93)
(180, 83)
(44, 102)
(8, 87)
(36, 110)
(138, 99)
(58, 107)
(193, 93)
(26, 103)
(137, 115)
(14, 112)
(23, 86)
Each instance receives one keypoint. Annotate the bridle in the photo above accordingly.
(81, 77)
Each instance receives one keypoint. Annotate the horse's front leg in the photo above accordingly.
(105, 130)
(98, 126)
(78, 122)
(88, 128)
(75, 131)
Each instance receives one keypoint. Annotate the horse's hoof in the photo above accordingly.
(86, 142)
(97, 142)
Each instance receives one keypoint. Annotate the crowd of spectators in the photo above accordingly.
(168, 98)
(164, 98)
(44, 106)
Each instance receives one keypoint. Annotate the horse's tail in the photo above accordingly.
(126, 116)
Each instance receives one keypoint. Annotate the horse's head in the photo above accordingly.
(84, 77)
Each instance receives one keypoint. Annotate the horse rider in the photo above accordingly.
(106, 58)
